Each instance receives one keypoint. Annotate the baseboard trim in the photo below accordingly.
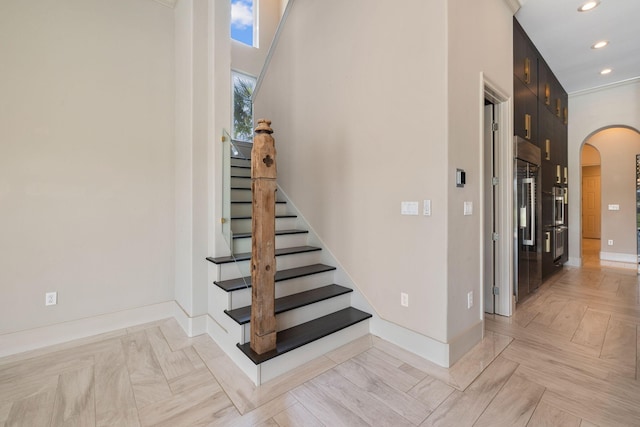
(574, 262)
(31, 339)
(192, 326)
(619, 257)
(423, 346)
(460, 345)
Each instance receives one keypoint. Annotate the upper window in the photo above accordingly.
(242, 107)
(243, 23)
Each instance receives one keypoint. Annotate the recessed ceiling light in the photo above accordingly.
(600, 44)
(606, 71)
(589, 6)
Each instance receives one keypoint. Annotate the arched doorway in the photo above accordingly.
(616, 245)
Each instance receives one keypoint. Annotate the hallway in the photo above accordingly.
(567, 358)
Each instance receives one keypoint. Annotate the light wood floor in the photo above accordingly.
(569, 357)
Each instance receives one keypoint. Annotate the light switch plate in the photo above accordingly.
(409, 208)
(468, 208)
(427, 208)
(614, 207)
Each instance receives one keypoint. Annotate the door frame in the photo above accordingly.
(505, 300)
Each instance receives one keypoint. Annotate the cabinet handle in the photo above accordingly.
(547, 94)
(547, 149)
(558, 107)
(527, 126)
(547, 241)
(527, 70)
(558, 175)
(566, 116)
(566, 175)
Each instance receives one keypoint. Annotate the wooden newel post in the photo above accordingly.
(263, 239)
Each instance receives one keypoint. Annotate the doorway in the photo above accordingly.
(489, 214)
(496, 201)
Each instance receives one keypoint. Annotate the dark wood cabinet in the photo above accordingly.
(525, 112)
(540, 115)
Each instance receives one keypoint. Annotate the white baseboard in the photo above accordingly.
(31, 339)
(619, 257)
(574, 262)
(425, 347)
(619, 260)
(460, 345)
(192, 326)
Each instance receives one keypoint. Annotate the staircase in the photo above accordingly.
(313, 314)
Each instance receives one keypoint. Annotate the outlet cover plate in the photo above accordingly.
(51, 298)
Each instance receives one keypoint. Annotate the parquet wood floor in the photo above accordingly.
(569, 357)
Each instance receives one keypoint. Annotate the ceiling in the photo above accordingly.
(564, 37)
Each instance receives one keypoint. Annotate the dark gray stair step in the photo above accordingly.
(305, 333)
(247, 255)
(242, 315)
(277, 216)
(248, 202)
(278, 233)
(292, 273)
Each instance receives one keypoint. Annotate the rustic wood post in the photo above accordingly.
(263, 243)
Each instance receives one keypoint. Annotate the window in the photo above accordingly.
(242, 107)
(243, 23)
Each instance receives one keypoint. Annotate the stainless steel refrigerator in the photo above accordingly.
(527, 215)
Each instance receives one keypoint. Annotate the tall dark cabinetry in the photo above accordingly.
(540, 117)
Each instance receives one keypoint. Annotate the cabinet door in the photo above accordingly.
(525, 112)
(525, 59)
(546, 85)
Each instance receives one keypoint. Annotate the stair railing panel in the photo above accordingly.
(240, 268)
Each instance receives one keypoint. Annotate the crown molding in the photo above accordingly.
(515, 5)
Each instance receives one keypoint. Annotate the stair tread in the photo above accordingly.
(242, 315)
(248, 202)
(277, 216)
(279, 252)
(305, 333)
(278, 233)
(292, 273)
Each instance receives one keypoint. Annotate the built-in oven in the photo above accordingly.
(559, 240)
(558, 206)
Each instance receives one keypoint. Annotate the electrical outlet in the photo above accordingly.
(610, 242)
(470, 299)
(404, 299)
(51, 298)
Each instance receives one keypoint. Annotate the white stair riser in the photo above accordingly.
(233, 270)
(218, 302)
(244, 225)
(304, 314)
(286, 362)
(242, 297)
(240, 195)
(283, 241)
(241, 182)
(244, 209)
(235, 171)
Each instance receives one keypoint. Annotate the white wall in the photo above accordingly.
(86, 158)
(203, 103)
(356, 93)
(480, 41)
(618, 148)
(589, 112)
(373, 104)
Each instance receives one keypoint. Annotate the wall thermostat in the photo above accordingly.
(461, 177)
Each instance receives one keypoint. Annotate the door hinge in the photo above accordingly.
(495, 180)
(494, 126)
(495, 237)
(496, 290)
